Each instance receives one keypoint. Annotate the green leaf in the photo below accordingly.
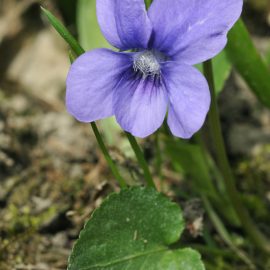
(222, 70)
(89, 32)
(133, 230)
(60, 28)
(248, 62)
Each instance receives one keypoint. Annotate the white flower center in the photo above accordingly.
(147, 62)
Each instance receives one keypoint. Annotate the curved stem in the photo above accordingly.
(78, 50)
(215, 128)
(107, 156)
(140, 157)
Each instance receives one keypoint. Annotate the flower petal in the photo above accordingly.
(91, 81)
(189, 97)
(124, 23)
(193, 30)
(140, 105)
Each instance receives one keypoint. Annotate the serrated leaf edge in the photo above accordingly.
(103, 204)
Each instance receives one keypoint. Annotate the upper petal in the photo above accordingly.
(140, 104)
(90, 83)
(124, 23)
(189, 97)
(193, 30)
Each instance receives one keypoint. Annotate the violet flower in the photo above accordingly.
(156, 75)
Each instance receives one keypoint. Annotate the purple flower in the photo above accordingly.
(156, 75)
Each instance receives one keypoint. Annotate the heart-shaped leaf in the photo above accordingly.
(133, 230)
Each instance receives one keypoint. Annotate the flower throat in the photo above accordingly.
(148, 63)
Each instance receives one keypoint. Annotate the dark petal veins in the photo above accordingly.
(140, 104)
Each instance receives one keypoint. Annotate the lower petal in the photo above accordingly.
(140, 104)
(90, 83)
(189, 97)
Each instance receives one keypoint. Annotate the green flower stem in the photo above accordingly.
(215, 128)
(107, 156)
(78, 50)
(140, 157)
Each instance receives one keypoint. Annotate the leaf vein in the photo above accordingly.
(124, 259)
